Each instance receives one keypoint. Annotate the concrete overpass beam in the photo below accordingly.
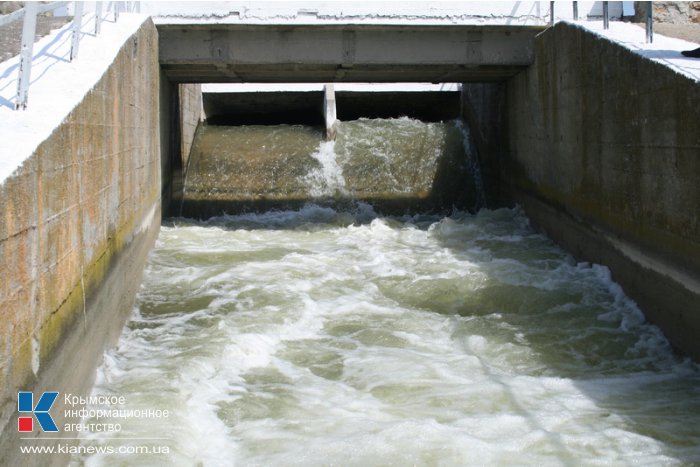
(325, 53)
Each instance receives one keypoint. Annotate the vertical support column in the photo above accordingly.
(98, 17)
(77, 24)
(25, 61)
(575, 11)
(650, 22)
(329, 111)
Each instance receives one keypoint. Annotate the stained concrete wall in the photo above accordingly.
(180, 115)
(603, 152)
(78, 219)
(325, 53)
(483, 107)
(190, 117)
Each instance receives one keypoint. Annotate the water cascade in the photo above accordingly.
(396, 164)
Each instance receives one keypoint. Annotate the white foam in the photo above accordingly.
(395, 340)
(326, 180)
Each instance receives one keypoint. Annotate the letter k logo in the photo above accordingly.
(25, 403)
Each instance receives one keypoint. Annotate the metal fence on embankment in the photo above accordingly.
(29, 15)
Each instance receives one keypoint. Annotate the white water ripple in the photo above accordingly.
(318, 337)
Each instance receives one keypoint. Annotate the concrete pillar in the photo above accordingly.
(329, 111)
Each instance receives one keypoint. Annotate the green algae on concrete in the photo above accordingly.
(603, 152)
(79, 218)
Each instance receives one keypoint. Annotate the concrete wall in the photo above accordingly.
(603, 152)
(484, 110)
(78, 219)
(180, 116)
(190, 117)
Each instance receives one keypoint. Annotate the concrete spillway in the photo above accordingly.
(395, 164)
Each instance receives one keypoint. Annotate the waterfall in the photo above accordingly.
(397, 165)
(326, 180)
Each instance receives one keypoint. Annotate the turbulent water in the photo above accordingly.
(322, 337)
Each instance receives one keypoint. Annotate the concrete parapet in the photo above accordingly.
(78, 219)
(604, 155)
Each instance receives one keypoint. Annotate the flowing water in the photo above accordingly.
(324, 336)
(398, 164)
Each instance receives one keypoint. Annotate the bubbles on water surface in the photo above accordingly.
(340, 336)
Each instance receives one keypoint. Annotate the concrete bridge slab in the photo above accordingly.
(344, 53)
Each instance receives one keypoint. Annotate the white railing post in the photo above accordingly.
(25, 60)
(77, 23)
(117, 7)
(98, 17)
(606, 16)
(551, 14)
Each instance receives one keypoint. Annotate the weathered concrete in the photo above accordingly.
(484, 110)
(169, 132)
(190, 117)
(78, 219)
(343, 53)
(604, 155)
(251, 168)
(181, 112)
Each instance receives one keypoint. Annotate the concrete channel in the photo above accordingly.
(599, 146)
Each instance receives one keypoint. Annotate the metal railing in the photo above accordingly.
(606, 18)
(30, 12)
